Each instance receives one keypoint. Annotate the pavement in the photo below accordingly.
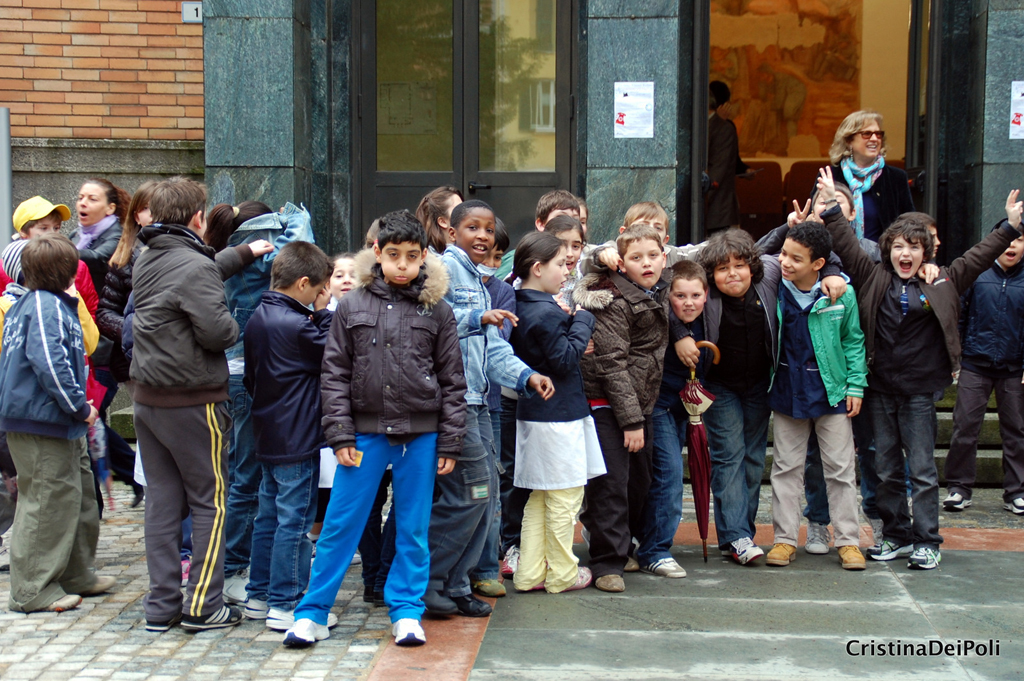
(723, 620)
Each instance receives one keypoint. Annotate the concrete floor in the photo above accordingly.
(735, 622)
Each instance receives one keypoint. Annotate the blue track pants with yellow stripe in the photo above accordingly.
(184, 455)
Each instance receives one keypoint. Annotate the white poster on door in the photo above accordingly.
(1017, 110)
(634, 110)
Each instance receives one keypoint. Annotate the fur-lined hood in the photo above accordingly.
(595, 292)
(432, 283)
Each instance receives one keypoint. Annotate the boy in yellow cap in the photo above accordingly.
(32, 219)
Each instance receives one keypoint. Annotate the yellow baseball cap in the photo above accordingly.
(38, 208)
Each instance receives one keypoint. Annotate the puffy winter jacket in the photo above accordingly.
(284, 348)
(392, 363)
(992, 321)
(42, 367)
(182, 325)
(110, 315)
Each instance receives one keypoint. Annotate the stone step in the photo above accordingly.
(123, 423)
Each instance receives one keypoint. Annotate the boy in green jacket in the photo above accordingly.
(820, 380)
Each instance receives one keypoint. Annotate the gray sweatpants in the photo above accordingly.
(56, 524)
(184, 454)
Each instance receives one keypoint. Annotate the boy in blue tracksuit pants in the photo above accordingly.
(284, 348)
(393, 391)
(468, 496)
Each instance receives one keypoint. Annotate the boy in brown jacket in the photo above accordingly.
(622, 378)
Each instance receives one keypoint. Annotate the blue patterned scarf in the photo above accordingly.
(859, 180)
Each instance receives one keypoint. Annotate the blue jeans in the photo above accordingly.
(737, 427)
(412, 469)
(513, 499)
(664, 507)
(279, 571)
(245, 474)
(488, 567)
(905, 436)
(464, 503)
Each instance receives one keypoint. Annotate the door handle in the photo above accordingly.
(473, 186)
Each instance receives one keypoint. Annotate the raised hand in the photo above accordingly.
(1014, 208)
(826, 184)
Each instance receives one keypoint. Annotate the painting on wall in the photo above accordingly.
(794, 70)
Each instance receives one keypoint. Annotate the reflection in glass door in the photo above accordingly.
(487, 110)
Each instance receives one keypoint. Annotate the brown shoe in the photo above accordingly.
(851, 558)
(610, 583)
(781, 555)
(103, 584)
(69, 602)
(631, 565)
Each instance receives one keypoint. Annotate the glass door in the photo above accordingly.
(469, 93)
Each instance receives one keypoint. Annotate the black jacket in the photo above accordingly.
(284, 348)
(110, 315)
(97, 256)
(552, 343)
(392, 363)
(891, 193)
(182, 324)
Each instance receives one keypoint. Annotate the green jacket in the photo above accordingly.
(838, 345)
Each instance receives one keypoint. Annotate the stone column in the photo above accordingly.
(257, 66)
(996, 162)
(630, 40)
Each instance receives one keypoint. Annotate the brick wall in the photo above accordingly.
(110, 69)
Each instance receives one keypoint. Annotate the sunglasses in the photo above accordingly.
(868, 134)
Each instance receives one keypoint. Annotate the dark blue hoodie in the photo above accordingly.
(284, 348)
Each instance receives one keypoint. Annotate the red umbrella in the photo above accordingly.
(696, 401)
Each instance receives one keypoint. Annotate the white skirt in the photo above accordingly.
(557, 455)
(328, 465)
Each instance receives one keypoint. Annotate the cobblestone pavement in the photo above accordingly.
(105, 638)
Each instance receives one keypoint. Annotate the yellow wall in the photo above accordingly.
(883, 80)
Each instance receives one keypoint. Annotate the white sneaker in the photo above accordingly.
(408, 632)
(255, 609)
(304, 633)
(511, 562)
(666, 567)
(356, 560)
(283, 620)
(234, 587)
(955, 501)
(1015, 507)
(745, 551)
(818, 538)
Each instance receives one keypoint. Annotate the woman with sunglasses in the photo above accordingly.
(880, 191)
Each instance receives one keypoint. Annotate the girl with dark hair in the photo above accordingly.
(101, 210)
(435, 212)
(557, 449)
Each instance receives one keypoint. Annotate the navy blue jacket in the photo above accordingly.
(42, 367)
(552, 342)
(676, 374)
(992, 322)
(284, 348)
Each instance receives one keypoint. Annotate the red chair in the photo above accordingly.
(761, 199)
(800, 182)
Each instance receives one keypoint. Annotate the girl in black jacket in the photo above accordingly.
(557, 449)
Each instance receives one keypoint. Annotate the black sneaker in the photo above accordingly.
(378, 599)
(471, 606)
(227, 616)
(438, 604)
(159, 627)
(367, 594)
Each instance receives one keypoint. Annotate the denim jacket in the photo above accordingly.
(244, 290)
(486, 355)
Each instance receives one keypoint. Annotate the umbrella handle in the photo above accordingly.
(717, 354)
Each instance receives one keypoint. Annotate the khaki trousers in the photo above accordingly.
(835, 439)
(56, 524)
